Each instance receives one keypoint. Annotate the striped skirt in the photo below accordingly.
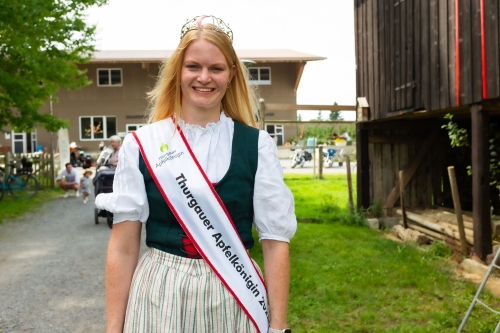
(172, 294)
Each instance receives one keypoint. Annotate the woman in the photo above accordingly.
(115, 142)
(214, 164)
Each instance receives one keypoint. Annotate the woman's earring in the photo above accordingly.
(228, 84)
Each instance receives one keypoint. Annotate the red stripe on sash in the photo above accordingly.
(217, 197)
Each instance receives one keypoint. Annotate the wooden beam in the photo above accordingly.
(320, 162)
(315, 122)
(492, 105)
(393, 139)
(308, 107)
(363, 167)
(299, 69)
(411, 169)
(481, 181)
(400, 124)
(458, 208)
(402, 198)
(349, 184)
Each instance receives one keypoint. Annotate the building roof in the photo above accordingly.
(160, 55)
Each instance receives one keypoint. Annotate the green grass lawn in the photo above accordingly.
(11, 207)
(319, 200)
(352, 279)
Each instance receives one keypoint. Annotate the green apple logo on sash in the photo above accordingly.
(163, 147)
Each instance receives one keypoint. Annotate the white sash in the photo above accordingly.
(203, 216)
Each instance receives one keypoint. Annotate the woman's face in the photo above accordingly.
(205, 76)
(115, 145)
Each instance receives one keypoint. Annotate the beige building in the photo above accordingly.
(115, 103)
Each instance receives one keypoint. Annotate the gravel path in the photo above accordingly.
(52, 269)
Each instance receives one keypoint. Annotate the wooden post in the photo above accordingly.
(52, 175)
(41, 176)
(481, 181)
(314, 161)
(349, 183)
(402, 198)
(458, 208)
(320, 161)
(363, 173)
(52, 166)
(8, 160)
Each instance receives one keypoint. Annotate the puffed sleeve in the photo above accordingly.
(129, 201)
(274, 215)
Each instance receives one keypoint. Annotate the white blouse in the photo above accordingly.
(274, 216)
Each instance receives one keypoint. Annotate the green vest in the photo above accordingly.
(164, 233)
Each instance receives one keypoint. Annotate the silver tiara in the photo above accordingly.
(217, 25)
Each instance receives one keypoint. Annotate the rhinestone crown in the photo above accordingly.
(217, 25)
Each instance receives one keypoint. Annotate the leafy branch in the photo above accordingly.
(459, 137)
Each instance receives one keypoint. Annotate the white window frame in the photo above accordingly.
(127, 127)
(34, 141)
(104, 127)
(23, 140)
(282, 134)
(259, 81)
(109, 77)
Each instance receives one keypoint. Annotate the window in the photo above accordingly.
(19, 144)
(276, 131)
(133, 127)
(97, 127)
(260, 75)
(109, 77)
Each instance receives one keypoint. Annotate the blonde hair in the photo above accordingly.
(239, 102)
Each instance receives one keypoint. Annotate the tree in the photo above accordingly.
(319, 117)
(42, 42)
(299, 117)
(335, 115)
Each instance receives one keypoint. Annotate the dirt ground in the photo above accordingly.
(52, 269)
(476, 277)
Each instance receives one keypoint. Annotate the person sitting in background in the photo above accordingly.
(68, 180)
(345, 136)
(115, 142)
(76, 159)
(72, 147)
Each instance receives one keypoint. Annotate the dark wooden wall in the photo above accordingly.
(392, 150)
(406, 55)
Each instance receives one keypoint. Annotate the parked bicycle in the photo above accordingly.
(21, 185)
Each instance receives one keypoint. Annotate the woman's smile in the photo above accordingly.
(204, 89)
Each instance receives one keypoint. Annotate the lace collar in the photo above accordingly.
(209, 128)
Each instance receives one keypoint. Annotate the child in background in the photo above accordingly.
(85, 185)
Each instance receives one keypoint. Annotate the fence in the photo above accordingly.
(41, 164)
(317, 155)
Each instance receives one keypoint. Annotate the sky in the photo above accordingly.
(319, 27)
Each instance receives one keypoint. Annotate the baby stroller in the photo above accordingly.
(27, 165)
(103, 183)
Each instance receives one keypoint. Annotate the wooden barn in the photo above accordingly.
(418, 60)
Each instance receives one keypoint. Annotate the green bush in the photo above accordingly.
(358, 219)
